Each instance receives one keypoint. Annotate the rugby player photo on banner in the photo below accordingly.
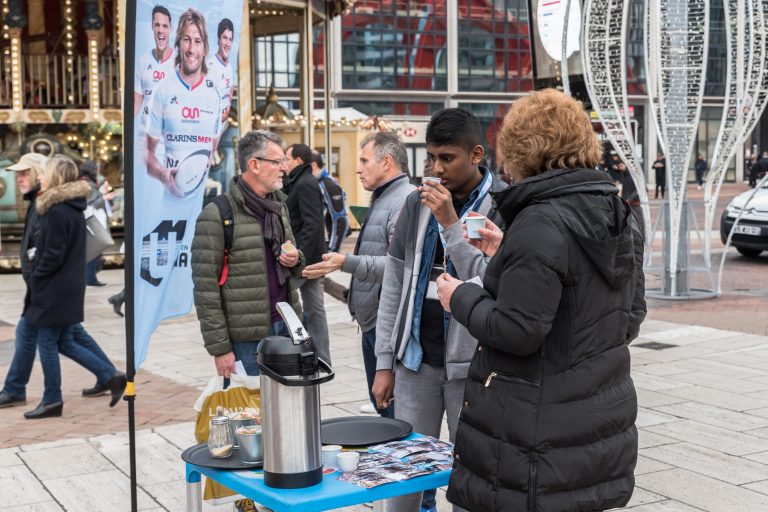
(185, 70)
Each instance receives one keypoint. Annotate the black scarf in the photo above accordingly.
(269, 210)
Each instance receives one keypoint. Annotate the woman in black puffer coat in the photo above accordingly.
(548, 422)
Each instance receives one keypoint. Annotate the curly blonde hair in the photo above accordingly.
(547, 130)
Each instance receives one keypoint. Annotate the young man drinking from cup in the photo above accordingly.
(418, 345)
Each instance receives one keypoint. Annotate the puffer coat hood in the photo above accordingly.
(75, 193)
(548, 418)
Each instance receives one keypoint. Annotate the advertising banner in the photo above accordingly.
(185, 70)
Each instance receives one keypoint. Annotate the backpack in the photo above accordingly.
(336, 219)
(228, 224)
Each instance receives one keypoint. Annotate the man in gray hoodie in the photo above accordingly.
(382, 170)
(418, 345)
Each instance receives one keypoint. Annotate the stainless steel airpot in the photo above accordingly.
(290, 377)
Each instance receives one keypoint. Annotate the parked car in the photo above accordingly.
(750, 237)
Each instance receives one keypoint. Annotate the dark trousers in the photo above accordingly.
(91, 268)
(369, 360)
(660, 184)
(700, 176)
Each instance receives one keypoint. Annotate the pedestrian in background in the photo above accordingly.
(335, 204)
(305, 206)
(548, 417)
(57, 285)
(752, 170)
(660, 168)
(700, 167)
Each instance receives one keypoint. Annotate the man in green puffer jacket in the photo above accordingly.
(236, 310)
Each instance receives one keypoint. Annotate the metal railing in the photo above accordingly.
(109, 81)
(55, 81)
(5, 81)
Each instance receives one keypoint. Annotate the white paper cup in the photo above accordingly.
(348, 461)
(330, 453)
(473, 224)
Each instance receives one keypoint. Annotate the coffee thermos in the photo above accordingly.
(290, 377)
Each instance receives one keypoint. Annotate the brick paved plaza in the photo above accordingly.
(703, 416)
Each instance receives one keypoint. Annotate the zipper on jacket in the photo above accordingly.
(532, 484)
(512, 379)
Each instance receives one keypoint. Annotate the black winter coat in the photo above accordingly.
(549, 412)
(305, 207)
(29, 236)
(57, 282)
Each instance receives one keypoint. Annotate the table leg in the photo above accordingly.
(194, 497)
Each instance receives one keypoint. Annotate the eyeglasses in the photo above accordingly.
(277, 163)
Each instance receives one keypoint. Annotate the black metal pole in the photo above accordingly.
(128, 170)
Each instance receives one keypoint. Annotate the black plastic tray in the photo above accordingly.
(200, 456)
(363, 431)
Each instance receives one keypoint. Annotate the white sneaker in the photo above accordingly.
(367, 408)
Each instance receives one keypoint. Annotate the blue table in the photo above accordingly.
(331, 493)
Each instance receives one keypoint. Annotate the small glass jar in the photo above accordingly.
(220, 442)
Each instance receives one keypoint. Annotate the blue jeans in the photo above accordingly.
(23, 359)
(245, 351)
(369, 361)
(81, 337)
(54, 340)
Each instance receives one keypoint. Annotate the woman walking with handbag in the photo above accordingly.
(57, 285)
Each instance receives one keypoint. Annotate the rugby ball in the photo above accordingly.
(191, 172)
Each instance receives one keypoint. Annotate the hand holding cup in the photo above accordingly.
(486, 238)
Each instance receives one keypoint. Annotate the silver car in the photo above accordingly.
(750, 237)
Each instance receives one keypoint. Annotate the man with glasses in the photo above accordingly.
(236, 293)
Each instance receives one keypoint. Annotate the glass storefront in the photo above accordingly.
(277, 61)
(493, 46)
(389, 108)
(395, 44)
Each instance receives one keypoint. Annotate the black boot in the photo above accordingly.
(116, 386)
(117, 302)
(45, 411)
(7, 400)
(96, 390)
